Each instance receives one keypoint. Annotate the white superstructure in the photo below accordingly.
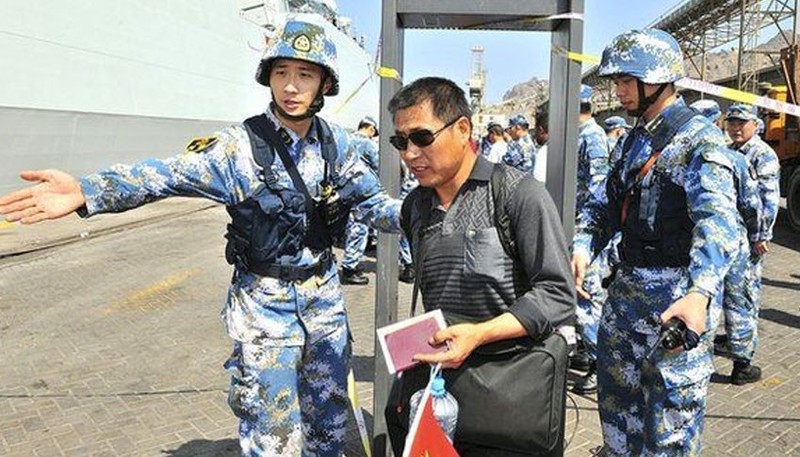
(88, 83)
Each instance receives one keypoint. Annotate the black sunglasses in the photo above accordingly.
(420, 138)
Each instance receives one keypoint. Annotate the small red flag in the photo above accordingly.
(426, 437)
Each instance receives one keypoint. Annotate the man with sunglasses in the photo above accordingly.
(289, 180)
(486, 295)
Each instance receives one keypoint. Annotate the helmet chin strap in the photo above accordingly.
(646, 102)
(314, 108)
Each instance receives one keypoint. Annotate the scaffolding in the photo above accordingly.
(702, 26)
(477, 82)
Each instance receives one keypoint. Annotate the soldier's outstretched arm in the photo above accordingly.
(55, 195)
(372, 205)
(222, 170)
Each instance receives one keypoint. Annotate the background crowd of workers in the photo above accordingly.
(673, 218)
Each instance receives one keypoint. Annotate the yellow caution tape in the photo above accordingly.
(582, 58)
(386, 72)
(362, 426)
(739, 96)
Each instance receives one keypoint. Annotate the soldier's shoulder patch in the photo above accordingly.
(200, 144)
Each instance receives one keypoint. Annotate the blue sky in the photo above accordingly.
(509, 57)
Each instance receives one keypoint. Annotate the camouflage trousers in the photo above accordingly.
(355, 243)
(741, 305)
(405, 251)
(655, 406)
(589, 311)
(292, 400)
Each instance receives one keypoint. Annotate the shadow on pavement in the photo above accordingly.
(353, 446)
(780, 317)
(206, 448)
(363, 368)
(783, 234)
(781, 284)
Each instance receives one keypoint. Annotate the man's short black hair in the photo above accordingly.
(448, 101)
(497, 129)
(586, 108)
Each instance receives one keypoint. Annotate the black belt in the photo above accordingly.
(292, 273)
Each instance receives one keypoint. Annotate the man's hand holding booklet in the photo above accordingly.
(402, 340)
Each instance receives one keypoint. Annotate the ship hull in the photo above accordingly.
(121, 81)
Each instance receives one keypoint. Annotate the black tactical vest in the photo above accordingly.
(667, 242)
(274, 225)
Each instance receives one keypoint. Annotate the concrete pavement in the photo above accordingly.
(111, 345)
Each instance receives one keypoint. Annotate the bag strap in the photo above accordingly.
(502, 220)
(263, 153)
(663, 135)
(263, 127)
(423, 217)
(626, 203)
(329, 151)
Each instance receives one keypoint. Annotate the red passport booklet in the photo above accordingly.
(400, 341)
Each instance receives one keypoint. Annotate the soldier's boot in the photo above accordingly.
(580, 361)
(354, 276)
(744, 373)
(588, 383)
(407, 274)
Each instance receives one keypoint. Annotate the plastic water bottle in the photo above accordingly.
(445, 406)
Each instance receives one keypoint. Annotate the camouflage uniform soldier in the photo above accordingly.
(739, 310)
(616, 128)
(521, 150)
(407, 270)
(737, 305)
(672, 197)
(357, 234)
(593, 168)
(741, 326)
(285, 310)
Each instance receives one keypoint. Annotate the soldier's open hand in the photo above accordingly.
(56, 195)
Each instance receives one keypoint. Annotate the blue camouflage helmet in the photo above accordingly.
(615, 122)
(741, 112)
(586, 93)
(518, 119)
(708, 108)
(305, 41)
(652, 56)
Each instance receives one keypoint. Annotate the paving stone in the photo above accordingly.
(97, 373)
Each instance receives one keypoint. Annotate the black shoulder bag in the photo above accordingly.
(511, 394)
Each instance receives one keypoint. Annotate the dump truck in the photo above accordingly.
(782, 132)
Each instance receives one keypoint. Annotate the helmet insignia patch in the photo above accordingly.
(302, 43)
